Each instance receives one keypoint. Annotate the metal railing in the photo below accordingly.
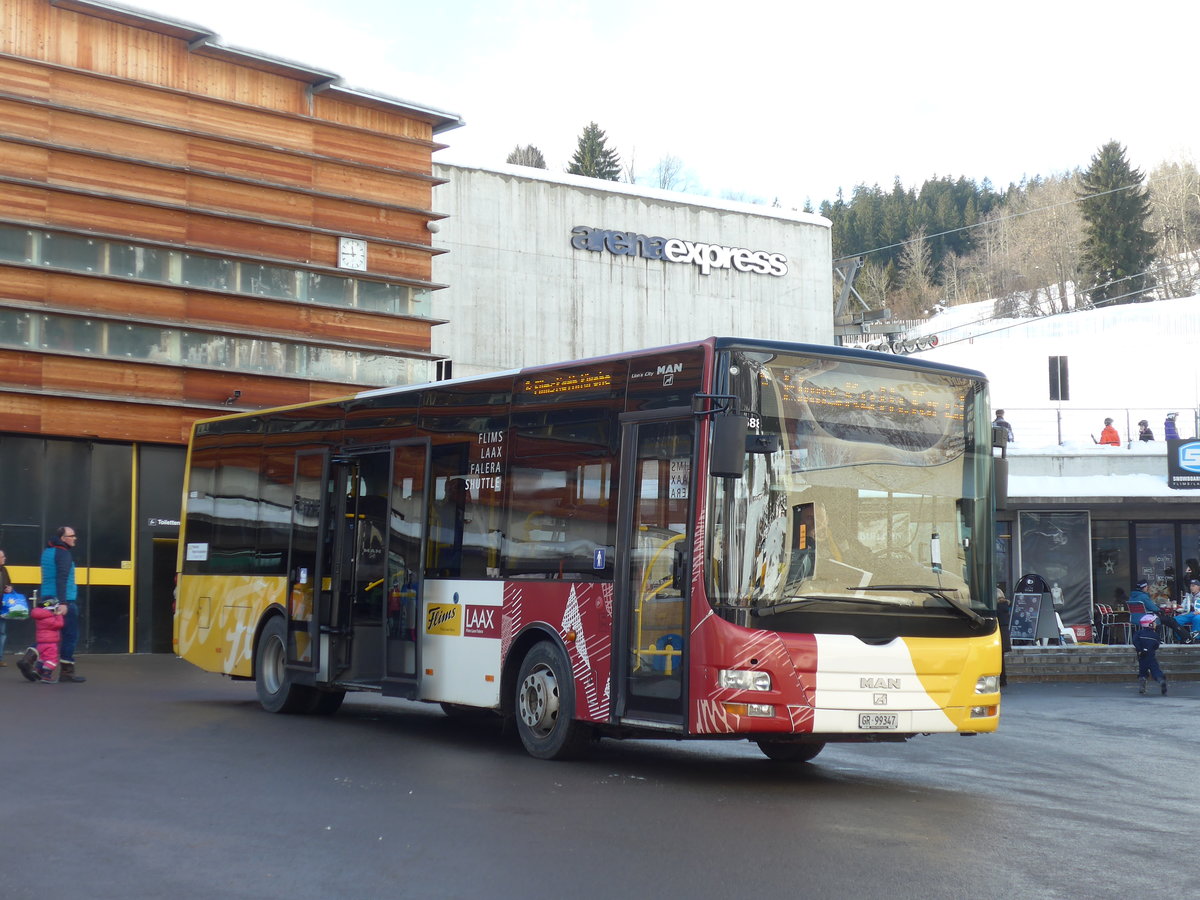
(1067, 426)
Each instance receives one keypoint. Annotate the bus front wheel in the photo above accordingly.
(545, 705)
(273, 680)
(789, 751)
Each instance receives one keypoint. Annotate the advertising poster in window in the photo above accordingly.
(1055, 546)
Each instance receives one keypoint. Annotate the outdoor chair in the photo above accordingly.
(1112, 624)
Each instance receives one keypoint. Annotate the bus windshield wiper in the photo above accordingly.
(937, 593)
(798, 602)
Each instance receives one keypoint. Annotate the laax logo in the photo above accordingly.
(706, 256)
(1189, 457)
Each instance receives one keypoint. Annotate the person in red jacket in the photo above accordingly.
(48, 625)
(1109, 434)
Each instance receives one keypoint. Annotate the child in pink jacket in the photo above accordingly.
(48, 625)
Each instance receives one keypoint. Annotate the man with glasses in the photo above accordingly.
(58, 582)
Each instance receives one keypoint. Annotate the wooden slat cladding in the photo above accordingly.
(201, 231)
(111, 124)
(116, 298)
(65, 396)
(410, 335)
(136, 143)
(213, 118)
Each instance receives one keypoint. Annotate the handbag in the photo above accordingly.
(14, 606)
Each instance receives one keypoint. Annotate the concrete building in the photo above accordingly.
(544, 267)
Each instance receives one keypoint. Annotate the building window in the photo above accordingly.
(208, 272)
(67, 251)
(15, 328)
(16, 245)
(1111, 572)
(1154, 556)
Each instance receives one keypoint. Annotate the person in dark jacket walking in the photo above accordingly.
(1145, 432)
(1145, 644)
(58, 583)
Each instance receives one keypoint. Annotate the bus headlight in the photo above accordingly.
(743, 680)
(987, 684)
(982, 712)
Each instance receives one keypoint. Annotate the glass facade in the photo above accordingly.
(23, 329)
(208, 272)
(90, 485)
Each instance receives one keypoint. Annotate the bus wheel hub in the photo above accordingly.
(538, 701)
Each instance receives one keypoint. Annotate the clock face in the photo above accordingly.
(352, 254)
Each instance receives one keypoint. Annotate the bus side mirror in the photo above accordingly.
(728, 457)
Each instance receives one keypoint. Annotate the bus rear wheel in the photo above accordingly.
(789, 751)
(273, 680)
(326, 703)
(545, 705)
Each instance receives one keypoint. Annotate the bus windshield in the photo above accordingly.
(877, 500)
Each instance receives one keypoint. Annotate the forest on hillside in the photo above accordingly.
(1028, 247)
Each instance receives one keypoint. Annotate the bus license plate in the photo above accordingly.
(878, 721)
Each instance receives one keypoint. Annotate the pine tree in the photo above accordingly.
(528, 155)
(593, 157)
(1117, 247)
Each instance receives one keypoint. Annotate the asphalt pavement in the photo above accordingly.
(156, 779)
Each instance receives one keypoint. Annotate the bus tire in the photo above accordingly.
(545, 705)
(789, 751)
(326, 703)
(273, 681)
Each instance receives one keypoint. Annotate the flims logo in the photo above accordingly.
(1189, 457)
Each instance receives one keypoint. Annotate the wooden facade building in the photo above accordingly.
(184, 228)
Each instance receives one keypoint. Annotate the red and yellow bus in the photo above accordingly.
(783, 543)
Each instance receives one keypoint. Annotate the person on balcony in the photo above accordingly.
(1109, 434)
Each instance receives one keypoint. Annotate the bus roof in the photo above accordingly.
(716, 343)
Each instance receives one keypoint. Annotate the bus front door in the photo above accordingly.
(405, 569)
(652, 569)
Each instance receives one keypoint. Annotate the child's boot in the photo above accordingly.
(1141, 685)
(26, 663)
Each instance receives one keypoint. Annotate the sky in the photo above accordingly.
(758, 99)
